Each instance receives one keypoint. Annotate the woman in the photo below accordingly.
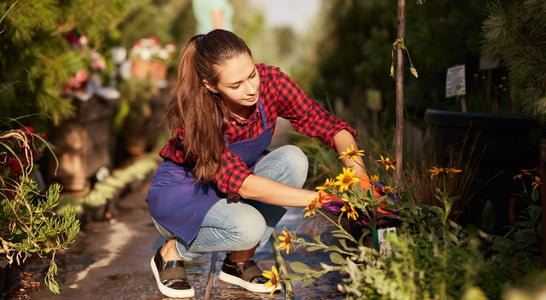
(212, 14)
(219, 188)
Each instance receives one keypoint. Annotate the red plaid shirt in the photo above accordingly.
(281, 97)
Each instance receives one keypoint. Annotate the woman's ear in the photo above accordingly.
(209, 87)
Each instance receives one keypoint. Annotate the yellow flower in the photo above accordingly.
(328, 183)
(536, 182)
(374, 179)
(286, 239)
(311, 207)
(435, 171)
(449, 171)
(387, 163)
(414, 72)
(274, 279)
(351, 153)
(387, 189)
(351, 211)
(345, 179)
(525, 172)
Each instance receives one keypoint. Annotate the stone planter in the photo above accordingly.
(134, 134)
(141, 130)
(83, 143)
(501, 145)
(157, 118)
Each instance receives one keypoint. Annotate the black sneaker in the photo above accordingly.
(247, 275)
(171, 277)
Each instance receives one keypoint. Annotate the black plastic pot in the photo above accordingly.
(501, 145)
(4, 272)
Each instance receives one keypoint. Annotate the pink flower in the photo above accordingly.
(154, 40)
(83, 40)
(97, 61)
(81, 76)
(77, 80)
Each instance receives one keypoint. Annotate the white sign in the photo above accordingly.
(380, 240)
(455, 81)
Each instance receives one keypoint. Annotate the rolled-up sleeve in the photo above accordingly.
(307, 116)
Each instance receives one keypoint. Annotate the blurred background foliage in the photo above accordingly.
(344, 52)
(355, 55)
(36, 58)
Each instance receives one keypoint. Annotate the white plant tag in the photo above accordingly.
(380, 240)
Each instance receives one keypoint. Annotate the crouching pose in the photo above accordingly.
(219, 188)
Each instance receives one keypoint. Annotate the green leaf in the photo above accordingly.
(326, 267)
(438, 211)
(337, 258)
(299, 267)
(341, 235)
(489, 216)
(314, 248)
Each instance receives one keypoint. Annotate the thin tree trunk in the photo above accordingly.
(399, 135)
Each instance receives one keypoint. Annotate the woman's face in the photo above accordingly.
(238, 82)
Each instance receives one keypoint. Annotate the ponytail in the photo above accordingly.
(196, 110)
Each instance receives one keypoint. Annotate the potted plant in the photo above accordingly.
(29, 223)
(418, 250)
(503, 143)
(142, 92)
(82, 141)
(135, 114)
(150, 59)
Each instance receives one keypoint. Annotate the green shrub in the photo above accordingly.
(29, 223)
(430, 256)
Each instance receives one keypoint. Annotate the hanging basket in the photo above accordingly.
(143, 69)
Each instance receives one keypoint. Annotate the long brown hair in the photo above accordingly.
(197, 110)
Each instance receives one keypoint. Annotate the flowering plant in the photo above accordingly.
(149, 49)
(22, 147)
(360, 201)
(30, 224)
(93, 62)
(416, 259)
(428, 255)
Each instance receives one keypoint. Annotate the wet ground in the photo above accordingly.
(111, 260)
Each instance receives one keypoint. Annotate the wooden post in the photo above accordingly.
(543, 197)
(399, 135)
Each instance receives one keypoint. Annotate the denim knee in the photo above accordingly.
(287, 164)
(299, 164)
(246, 232)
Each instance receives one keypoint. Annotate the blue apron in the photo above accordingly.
(180, 204)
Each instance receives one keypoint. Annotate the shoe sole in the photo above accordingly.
(167, 291)
(249, 286)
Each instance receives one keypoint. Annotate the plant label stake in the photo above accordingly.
(380, 240)
(456, 84)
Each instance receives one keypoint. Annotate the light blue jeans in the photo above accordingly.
(233, 225)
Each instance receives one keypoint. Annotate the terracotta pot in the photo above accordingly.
(143, 69)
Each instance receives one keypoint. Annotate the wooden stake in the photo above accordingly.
(399, 135)
(543, 197)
